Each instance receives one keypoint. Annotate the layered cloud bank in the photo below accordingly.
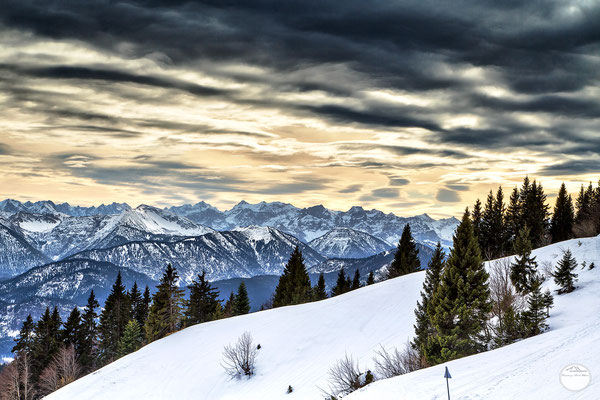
(411, 106)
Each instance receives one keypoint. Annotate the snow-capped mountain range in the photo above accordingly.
(348, 243)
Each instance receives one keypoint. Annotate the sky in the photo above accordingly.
(403, 106)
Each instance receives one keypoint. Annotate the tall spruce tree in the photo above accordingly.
(294, 284)
(424, 327)
(563, 275)
(47, 341)
(131, 340)
(71, 333)
(165, 314)
(241, 305)
(477, 217)
(320, 292)
(113, 319)
(461, 302)
(89, 334)
(203, 301)
(342, 285)
(522, 270)
(228, 308)
(513, 218)
(137, 304)
(24, 341)
(563, 217)
(406, 258)
(492, 231)
(536, 215)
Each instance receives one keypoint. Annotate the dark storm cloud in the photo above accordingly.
(447, 196)
(573, 167)
(543, 53)
(4, 149)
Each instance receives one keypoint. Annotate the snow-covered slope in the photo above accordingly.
(244, 252)
(348, 243)
(300, 343)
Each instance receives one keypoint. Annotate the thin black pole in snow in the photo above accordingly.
(447, 376)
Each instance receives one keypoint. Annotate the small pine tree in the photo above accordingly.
(241, 305)
(524, 266)
(355, 281)
(406, 258)
(165, 314)
(563, 217)
(341, 285)
(228, 308)
(131, 340)
(320, 292)
(535, 316)
(563, 275)
(548, 301)
(370, 279)
(294, 284)
(423, 327)
(203, 301)
(513, 218)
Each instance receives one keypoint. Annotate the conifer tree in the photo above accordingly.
(341, 285)
(423, 327)
(370, 279)
(47, 341)
(536, 214)
(320, 292)
(203, 301)
(523, 268)
(228, 308)
(477, 216)
(461, 302)
(89, 334)
(145, 308)
(24, 341)
(131, 340)
(535, 315)
(492, 230)
(356, 280)
(137, 304)
(294, 284)
(241, 305)
(406, 258)
(563, 275)
(165, 314)
(563, 217)
(71, 333)
(513, 218)
(548, 301)
(114, 317)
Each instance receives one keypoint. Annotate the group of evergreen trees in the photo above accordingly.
(497, 225)
(128, 320)
(294, 286)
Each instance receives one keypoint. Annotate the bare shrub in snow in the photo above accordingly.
(345, 377)
(16, 379)
(393, 363)
(240, 359)
(63, 370)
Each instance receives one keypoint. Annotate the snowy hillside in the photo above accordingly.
(16, 254)
(300, 343)
(348, 243)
